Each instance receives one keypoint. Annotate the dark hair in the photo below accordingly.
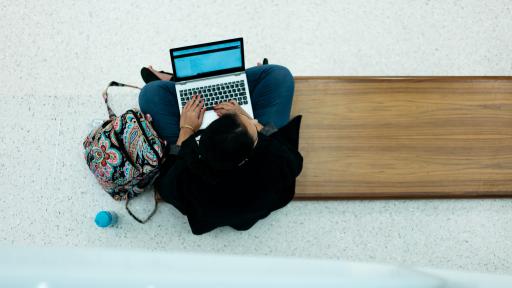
(225, 143)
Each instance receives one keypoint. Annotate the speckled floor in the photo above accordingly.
(57, 56)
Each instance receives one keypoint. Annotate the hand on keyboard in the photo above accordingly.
(193, 112)
(217, 93)
(230, 107)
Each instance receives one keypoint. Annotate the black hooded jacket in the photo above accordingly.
(266, 182)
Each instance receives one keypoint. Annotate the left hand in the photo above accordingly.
(193, 112)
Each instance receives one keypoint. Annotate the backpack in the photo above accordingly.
(124, 153)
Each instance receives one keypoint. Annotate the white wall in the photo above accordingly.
(85, 43)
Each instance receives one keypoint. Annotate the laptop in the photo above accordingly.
(214, 70)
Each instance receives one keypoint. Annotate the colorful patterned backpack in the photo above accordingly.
(124, 153)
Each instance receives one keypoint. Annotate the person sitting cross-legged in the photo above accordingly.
(241, 169)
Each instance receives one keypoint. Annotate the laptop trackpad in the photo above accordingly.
(209, 117)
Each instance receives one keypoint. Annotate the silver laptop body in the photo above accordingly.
(216, 71)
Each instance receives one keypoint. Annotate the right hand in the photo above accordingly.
(230, 107)
(193, 112)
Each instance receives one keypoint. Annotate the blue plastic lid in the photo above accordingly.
(103, 219)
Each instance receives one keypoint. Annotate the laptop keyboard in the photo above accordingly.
(217, 93)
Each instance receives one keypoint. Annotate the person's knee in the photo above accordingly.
(282, 79)
(281, 74)
(155, 92)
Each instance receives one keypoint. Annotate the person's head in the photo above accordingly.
(228, 141)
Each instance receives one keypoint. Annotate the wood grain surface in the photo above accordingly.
(404, 137)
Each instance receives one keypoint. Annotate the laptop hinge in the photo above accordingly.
(211, 77)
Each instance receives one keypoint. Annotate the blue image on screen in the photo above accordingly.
(196, 61)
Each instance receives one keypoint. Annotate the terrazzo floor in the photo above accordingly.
(57, 56)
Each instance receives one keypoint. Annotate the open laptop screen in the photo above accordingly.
(208, 59)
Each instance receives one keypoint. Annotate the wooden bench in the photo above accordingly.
(378, 137)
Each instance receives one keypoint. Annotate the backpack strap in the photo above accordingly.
(137, 218)
(111, 113)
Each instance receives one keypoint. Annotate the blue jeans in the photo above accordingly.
(270, 87)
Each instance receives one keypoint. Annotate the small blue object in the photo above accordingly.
(105, 219)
